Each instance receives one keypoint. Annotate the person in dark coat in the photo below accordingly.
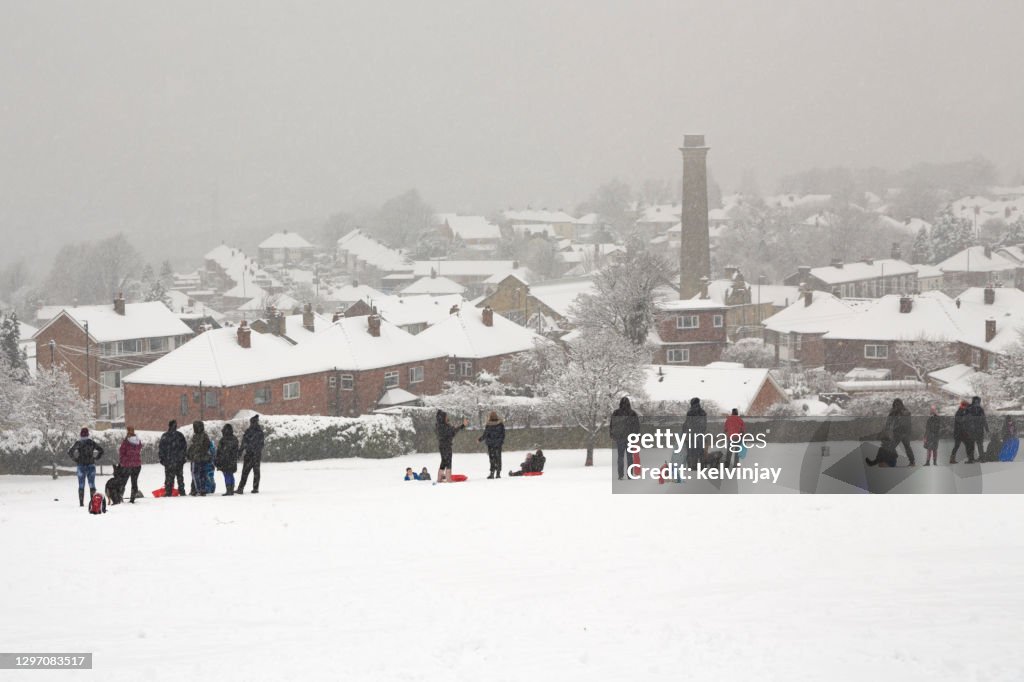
(960, 436)
(976, 426)
(534, 463)
(931, 437)
(897, 426)
(84, 454)
(445, 435)
(172, 451)
(493, 437)
(696, 429)
(199, 454)
(252, 454)
(886, 456)
(130, 456)
(621, 424)
(226, 459)
(424, 475)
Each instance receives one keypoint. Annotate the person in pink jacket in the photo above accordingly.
(131, 460)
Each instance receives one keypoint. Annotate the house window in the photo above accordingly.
(110, 379)
(263, 395)
(465, 368)
(975, 357)
(291, 390)
(183, 405)
(158, 345)
(127, 347)
(678, 355)
(347, 382)
(797, 338)
(332, 381)
(390, 379)
(718, 320)
(211, 399)
(687, 322)
(451, 368)
(415, 375)
(876, 351)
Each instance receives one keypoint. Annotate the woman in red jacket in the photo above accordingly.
(131, 459)
(734, 429)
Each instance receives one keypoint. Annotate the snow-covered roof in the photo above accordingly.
(951, 373)
(537, 216)
(925, 271)
(684, 305)
(140, 321)
(816, 318)
(975, 259)
(880, 386)
(285, 240)
(795, 200)
(280, 301)
(433, 285)
(727, 387)
(860, 270)
(465, 335)
(215, 359)
(26, 331)
(966, 385)
(240, 269)
(473, 227)
(348, 345)
(298, 333)
(397, 396)
(661, 214)
(462, 268)
(410, 310)
(372, 252)
(559, 295)
(524, 275)
(351, 293)
(881, 320)
(779, 295)
(1013, 253)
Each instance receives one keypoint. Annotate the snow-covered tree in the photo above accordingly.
(10, 335)
(950, 235)
(921, 251)
(1008, 370)
(612, 202)
(1015, 231)
(585, 378)
(401, 220)
(53, 406)
(750, 352)
(923, 356)
(623, 298)
(12, 389)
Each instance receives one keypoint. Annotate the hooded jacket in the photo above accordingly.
(623, 421)
(975, 421)
(898, 421)
(199, 447)
(445, 431)
(85, 451)
(494, 433)
(252, 440)
(960, 422)
(696, 418)
(226, 459)
(130, 452)
(172, 446)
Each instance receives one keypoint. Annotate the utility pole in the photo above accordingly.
(202, 403)
(88, 375)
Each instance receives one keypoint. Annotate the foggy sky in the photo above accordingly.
(145, 116)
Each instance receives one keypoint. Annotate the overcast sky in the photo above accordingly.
(154, 116)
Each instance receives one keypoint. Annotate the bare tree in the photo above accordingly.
(923, 356)
(54, 407)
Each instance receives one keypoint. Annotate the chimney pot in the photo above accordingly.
(837, 263)
(373, 324)
(337, 316)
(244, 335)
(488, 316)
(990, 329)
(808, 297)
(119, 304)
(704, 287)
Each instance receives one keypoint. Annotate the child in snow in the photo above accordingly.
(931, 437)
(411, 475)
(424, 475)
(534, 463)
(227, 457)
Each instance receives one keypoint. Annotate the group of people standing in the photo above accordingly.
(174, 452)
(970, 428)
(493, 438)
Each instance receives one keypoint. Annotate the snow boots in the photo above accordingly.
(81, 497)
(231, 491)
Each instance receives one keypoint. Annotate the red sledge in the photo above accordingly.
(159, 492)
(458, 478)
(534, 473)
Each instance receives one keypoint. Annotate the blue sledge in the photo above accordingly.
(1009, 450)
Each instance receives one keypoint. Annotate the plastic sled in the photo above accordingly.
(159, 492)
(636, 458)
(742, 454)
(457, 478)
(533, 473)
(1009, 450)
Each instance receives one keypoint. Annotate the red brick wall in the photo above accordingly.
(700, 353)
(766, 397)
(842, 355)
(665, 323)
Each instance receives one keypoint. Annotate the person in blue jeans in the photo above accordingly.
(84, 453)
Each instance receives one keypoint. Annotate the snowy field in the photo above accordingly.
(341, 570)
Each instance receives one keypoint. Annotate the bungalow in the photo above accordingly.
(722, 386)
(101, 345)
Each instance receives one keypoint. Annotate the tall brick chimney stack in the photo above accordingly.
(488, 316)
(244, 335)
(694, 248)
(373, 324)
(307, 317)
(119, 304)
(990, 329)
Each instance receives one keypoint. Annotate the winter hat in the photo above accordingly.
(172, 425)
(84, 433)
(492, 417)
(694, 402)
(254, 419)
(130, 430)
(624, 403)
(933, 409)
(735, 411)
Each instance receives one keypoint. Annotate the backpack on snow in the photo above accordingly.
(97, 505)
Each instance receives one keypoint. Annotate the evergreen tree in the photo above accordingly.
(950, 235)
(10, 334)
(166, 274)
(921, 251)
(1015, 232)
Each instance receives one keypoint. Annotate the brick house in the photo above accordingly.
(346, 369)
(689, 332)
(724, 385)
(284, 247)
(471, 274)
(796, 332)
(748, 305)
(475, 231)
(541, 307)
(369, 261)
(100, 345)
(478, 341)
(868, 278)
(977, 266)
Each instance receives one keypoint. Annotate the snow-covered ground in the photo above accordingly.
(341, 570)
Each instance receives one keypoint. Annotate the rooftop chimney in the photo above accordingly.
(338, 314)
(804, 272)
(837, 263)
(373, 324)
(988, 251)
(895, 253)
(244, 335)
(704, 287)
(808, 296)
(355, 283)
(454, 310)
(869, 260)
(488, 316)
(119, 304)
(990, 329)
(989, 295)
(694, 243)
(307, 317)
(906, 304)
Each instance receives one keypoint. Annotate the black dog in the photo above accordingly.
(116, 485)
